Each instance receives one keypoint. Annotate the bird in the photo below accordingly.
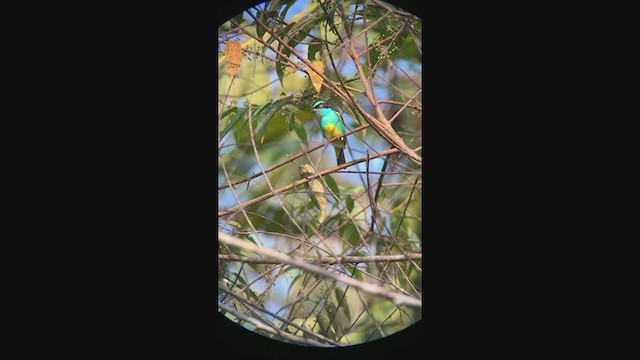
(332, 125)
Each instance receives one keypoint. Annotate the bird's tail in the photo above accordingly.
(340, 151)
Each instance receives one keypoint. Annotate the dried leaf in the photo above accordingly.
(316, 79)
(233, 55)
(316, 191)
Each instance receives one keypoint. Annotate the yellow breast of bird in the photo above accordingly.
(331, 131)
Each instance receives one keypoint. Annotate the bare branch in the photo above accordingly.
(398, 299)
(260, 325)
(292, 158)
(301, 328)
(327, 260)
(399, 103)
(302, 182)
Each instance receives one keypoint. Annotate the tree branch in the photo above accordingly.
(284, 43)
(248, 304)
(266, 196)
(381, 128)
(396, 298)
(260, 325)
(327, 260)
(290, 159)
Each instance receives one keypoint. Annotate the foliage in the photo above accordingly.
(367, 56)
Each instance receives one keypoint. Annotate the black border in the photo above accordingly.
(123, 182)
(411, 340)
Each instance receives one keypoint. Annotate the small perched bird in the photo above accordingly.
(332, 126)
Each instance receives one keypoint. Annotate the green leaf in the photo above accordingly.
(259, 29)
(263, 332)
(250, 293)
(296, 32)
(313, 49)
(290, 121)
(233, 122)
(343, 318)
(296, 278)
(349, 201)
(274, 4)
(357, 274)
(247, 237)
(306, 279)
(332, 184)
(289, 3)
(229, 111)
(323, 322)
(280, 67)
(399, 44)
(255, 115)
(300, 131)
(239, 18)
(309, 230)
(389, 50)
(273, 108)
(260, 108)
(373, 12)
(234, 224)
(341, 297)
(374, 48)
(350, 233)
(263, 120)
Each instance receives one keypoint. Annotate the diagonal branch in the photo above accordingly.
(292, 158)
(404, 106)
(309, 333)
(270, 329)
(380, 124)
(266, 196)
(334, 87)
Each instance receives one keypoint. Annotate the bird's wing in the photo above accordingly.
(341, 124)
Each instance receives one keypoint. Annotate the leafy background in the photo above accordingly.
(371, 52)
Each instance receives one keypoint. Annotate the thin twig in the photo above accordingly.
(326, 260)
(294, 157)
(299, 327)
(399, 103)
(397, 184)
(266, 196)
(272, 330)
(397, 298)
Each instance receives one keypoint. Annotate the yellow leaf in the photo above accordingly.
(233, 55)
(309, 323)
(316, 191)
(316, 79)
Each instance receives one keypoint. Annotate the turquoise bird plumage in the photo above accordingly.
(332, 126)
